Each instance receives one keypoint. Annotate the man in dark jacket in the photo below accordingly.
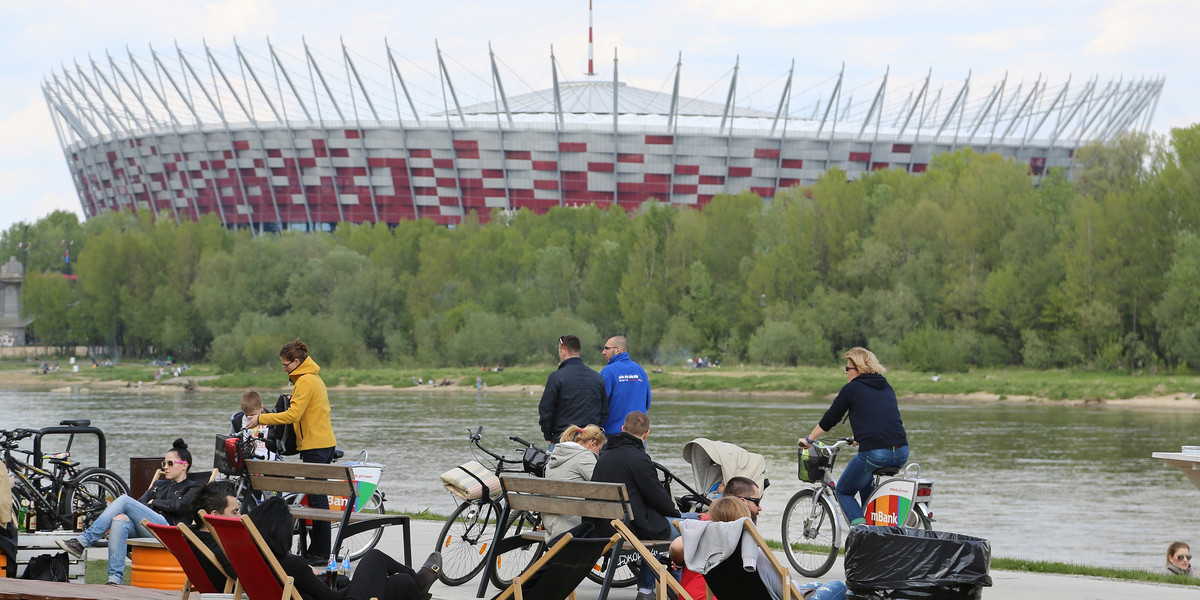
(574, 394)
(624, 460)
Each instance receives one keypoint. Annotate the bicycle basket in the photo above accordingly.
(468, 481)
(535, 460)
(231, 453)
(815, 462)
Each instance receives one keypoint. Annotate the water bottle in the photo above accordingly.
(345, 570)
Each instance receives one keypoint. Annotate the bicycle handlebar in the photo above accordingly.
(10, 438)
(476, 439)
(518, 439)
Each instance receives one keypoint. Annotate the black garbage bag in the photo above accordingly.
(903, 562)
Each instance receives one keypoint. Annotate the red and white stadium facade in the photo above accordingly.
(269, 144)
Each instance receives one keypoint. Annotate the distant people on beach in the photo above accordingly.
(574, 393)
(1179, 559)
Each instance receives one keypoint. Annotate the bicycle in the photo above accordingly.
(463, 541)
(812, 533)
(63, 496)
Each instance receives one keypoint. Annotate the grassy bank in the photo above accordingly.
(1003, 383)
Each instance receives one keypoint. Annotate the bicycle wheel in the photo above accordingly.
(810, 533)
(627, 571)
(355, 546)
(916, 518)
(513, 562)
(464, 540)
(89, 494)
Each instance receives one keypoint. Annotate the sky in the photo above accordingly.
(1019, 39)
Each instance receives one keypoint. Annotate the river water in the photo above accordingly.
(1041, 482)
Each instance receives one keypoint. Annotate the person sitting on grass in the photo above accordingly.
(167, 502)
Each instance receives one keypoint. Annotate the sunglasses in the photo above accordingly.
(1184, 557)
(850, 368)
(610, 347)
(757, 501)
(167, 464)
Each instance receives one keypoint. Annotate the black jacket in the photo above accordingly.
(874, 412)
(574, 395)
(172, 500)
(624, 460)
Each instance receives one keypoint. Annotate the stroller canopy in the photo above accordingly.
(719, 461)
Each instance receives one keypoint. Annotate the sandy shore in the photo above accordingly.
(67, 382)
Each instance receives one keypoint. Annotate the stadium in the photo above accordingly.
(271, 140)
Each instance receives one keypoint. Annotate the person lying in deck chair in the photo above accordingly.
(377, 575)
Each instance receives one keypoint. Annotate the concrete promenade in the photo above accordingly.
(1006, 585)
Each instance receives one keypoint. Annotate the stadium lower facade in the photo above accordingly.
(272, 145)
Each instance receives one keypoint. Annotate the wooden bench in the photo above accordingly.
(20, 589)
(607, 501)
(329, 480)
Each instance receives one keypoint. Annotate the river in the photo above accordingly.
(1040, 481)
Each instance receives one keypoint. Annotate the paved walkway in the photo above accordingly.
(1005, 584)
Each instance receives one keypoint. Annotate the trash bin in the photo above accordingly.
(141, 471)
(903, 562)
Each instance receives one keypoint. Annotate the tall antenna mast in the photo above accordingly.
(590, 72)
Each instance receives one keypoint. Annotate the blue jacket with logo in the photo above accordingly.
(628, 390)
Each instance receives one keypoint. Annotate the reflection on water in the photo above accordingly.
(1051, 483)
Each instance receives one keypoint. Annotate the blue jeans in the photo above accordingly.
(646, 577)
(856, 479)
(119, 531)
(319, 541)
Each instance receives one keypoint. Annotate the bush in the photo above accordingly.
(788, 343)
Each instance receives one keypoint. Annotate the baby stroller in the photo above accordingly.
(713, 463)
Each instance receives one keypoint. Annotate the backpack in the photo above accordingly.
(46, 567)
(283, 436)
(815, 461)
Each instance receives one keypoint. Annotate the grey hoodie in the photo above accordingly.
(571, 462)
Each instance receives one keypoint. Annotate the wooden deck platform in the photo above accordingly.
(19, 589)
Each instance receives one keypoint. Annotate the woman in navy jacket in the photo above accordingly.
(878, 431)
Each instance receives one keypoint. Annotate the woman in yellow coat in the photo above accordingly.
(309, 415)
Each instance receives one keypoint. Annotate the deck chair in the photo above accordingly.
(260, 576)
(556, 574)
(192, 555)
(665, 579)
(201, 477)
(729, 579)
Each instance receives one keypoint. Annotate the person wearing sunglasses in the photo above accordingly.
(167, 502)
(1179, 559)
(869, 401)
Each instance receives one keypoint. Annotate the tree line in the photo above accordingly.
(965, 265)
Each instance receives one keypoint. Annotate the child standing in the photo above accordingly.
(252, 406)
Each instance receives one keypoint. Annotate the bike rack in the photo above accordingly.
(71, 430)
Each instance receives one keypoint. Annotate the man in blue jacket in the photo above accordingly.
(626, 383)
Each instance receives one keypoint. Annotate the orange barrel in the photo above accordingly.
(3, 565)
(154, 566)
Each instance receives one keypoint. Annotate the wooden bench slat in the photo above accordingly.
(592, 490)
(319, 514)
(292, 469)
(567, 506)
(304, 486)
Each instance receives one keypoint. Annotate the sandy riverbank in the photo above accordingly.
(67, 382)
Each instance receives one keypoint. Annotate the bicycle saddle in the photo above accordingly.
(885, 471)
(75, 422)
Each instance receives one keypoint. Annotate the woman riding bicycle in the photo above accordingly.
(167, 502)
(878, 431)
